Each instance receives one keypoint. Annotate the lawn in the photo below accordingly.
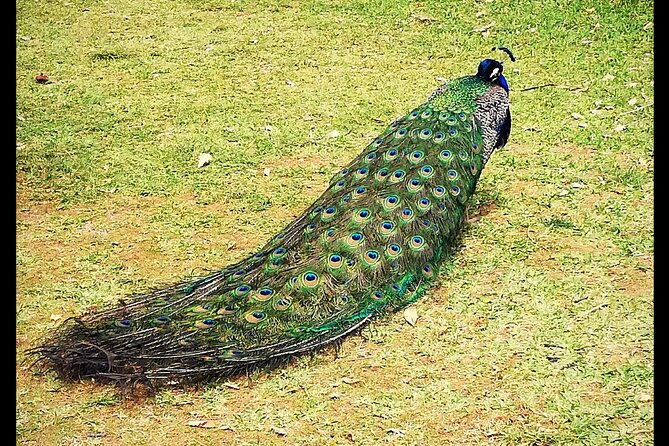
(540, 329)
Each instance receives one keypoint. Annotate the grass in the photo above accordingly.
(540, 331)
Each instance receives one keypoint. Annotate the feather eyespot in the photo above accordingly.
(425, 134)
(439, 191)
(309, 279)
(427, 271)
(281, 304)
(455, 191)
(414, 185)
(445, 156)
(242, 290)
(407, 215)
(393, 250)
(335, 261)
(378, 141)
(452, 175)
(439, 137)
(390, 155)
(387, 228)
(416, 156)
(464, 156)
(201, 308)
(161, 320)
(477, 148)
(426, 172)
(452, 132)
(361, 173)
(473, 169)
(426, 114)
(255, 317)
(401, 133)
(264, 294)
(339, 185)
(362, 216)
(416, 243)
(397, 176)
(377, 295)
(370, 156)
(413, 115)
(205, 323)
(390, 202)
(124, 323)
(381, 174)
(424, 205)
(371, 258)
(359, 191)
(226, 310)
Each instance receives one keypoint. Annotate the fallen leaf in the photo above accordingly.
(577, 185)
(266, 172)
(203, 159)
(204, 424)
(577, 115)
(423, 18)
(582, 125)
(290, 83)
(41, 78)
(411, 315)
(586, 41)
(333, 134)
(25, 38)
(268, 128)
(347, 380)
(396, 431)
(619, 128)
(608, 77)
(279, 432)
(483, 28)
(647, 26)
(55, 317)
(632, 101)
(231, 386)
(563, 192)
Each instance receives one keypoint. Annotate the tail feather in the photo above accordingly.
(370, 244)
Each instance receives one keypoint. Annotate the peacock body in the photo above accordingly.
(370, 244)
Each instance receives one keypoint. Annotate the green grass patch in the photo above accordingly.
(540, 330)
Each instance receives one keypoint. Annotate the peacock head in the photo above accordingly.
(491, 71)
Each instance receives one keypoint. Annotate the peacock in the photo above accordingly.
(371, 244)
